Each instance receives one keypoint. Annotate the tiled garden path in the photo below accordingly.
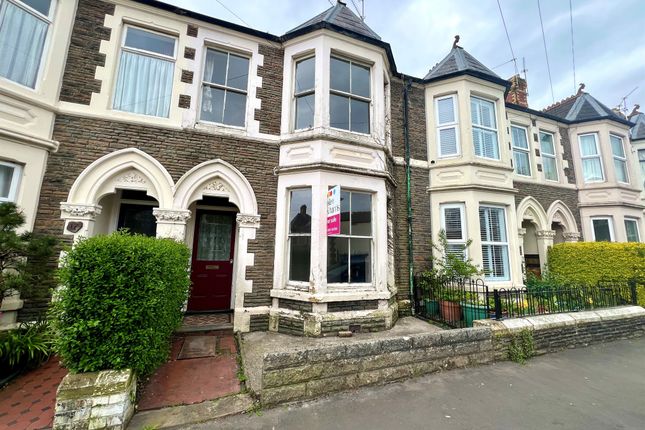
(194, 380)
(28, 402)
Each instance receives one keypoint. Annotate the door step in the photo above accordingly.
(206, 322)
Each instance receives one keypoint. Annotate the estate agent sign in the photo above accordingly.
(333, 211)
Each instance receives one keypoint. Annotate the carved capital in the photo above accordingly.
(521, 232)
(248, 220)
(171, 215)
(571, 236)
(545, 234)
(71, 210)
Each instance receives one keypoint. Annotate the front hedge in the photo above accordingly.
(590, 262)
(120, 302)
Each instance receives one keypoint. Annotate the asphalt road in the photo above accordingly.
(599, 387)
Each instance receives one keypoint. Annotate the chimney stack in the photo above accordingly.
(518, 94)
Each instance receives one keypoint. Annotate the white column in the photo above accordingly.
(171, 223)
(79, 219)
(521, 232)
(544, 242)
(247, 224)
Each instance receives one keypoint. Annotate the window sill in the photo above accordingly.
(333, 296)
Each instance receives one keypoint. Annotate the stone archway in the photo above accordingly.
(130, 169)
(560, 214)
(535, 234)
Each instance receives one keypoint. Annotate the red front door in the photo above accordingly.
(212, 265)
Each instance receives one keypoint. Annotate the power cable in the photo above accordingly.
(508, 38)
(546, 53)
(233, 13)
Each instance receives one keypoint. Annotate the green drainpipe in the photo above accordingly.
(406, 141)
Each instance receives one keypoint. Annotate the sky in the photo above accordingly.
(609, 40)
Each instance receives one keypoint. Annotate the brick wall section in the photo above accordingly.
(189, 53)
(83, 140)
(363, 325)
(259, 323)
(270, 93)
(416, 121)
(187, 76)
(292, 326)
(83, 56)
(295, 305)
(569, 172)
(546, 195)
(421, 227)
(357, 305)
(184, 101)
(308, 373)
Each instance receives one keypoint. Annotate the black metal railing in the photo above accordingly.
(458, 302)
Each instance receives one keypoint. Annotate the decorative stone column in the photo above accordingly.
(521, 232)
(573, 236)
(171, 223)
(79, 219)
(247, 224)
(544, 242)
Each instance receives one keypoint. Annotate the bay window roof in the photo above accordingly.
(339, 16)
(583, 107)
(460, 62)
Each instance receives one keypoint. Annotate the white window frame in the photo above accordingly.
(618, 158)
(354, 285)
(15, 181)
(48, 19)
(462, 215)
(287, 265)
(553, 156)
(483, 127)
(297, 95)
(351, 95)
(138, 51)
(225, 88)
(638, 230)
(507, 276)
(526, 150)
(612, 237)
(586, 157)
(448, 125)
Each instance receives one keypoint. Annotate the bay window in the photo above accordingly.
(224, 88)
(549, 163)
(453, 224)
(350, 96)
(484, 124)
(9, 179)
(521, 152)
(631, 230)
(492, 225)
(299, 240)
(145, 73)
(620, 160)
(304, 93)
(641, 161)
(602, 229)
(24, 25)
(349, 254)
(590, 155)
(447, 126)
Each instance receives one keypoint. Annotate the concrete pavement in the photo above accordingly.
(599, 387)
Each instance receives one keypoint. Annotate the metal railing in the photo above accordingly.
(458, 302)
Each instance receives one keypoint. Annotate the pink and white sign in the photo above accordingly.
(333, 211)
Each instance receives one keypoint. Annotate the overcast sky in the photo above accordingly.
(608, 37)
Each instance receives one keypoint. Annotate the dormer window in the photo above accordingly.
(144, 79)
(620, 160)
(23, 30)
(224, 88)
(304, 93)
(484, 128)
(349, 98)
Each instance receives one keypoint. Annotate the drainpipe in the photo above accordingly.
(406, 140)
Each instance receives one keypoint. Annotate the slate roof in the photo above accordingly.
(459, 61)
(341, 16)
(583, 107)
(638, 130)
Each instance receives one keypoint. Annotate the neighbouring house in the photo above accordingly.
(176, 124)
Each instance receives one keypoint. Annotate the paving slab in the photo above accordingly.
(198, 347)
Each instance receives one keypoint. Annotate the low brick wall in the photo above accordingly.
(97, 400)
(309, 373)
(553, 333)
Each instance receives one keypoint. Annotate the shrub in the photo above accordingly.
(27, 346)
(521, 347)
(589, 262)
(120, 302)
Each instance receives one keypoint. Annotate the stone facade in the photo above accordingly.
(97, 400)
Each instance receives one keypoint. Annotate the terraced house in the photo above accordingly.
(144, 116)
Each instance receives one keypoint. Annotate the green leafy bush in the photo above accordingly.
(522, 346)
(120, 302)
(27, 346)
(587, 263)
